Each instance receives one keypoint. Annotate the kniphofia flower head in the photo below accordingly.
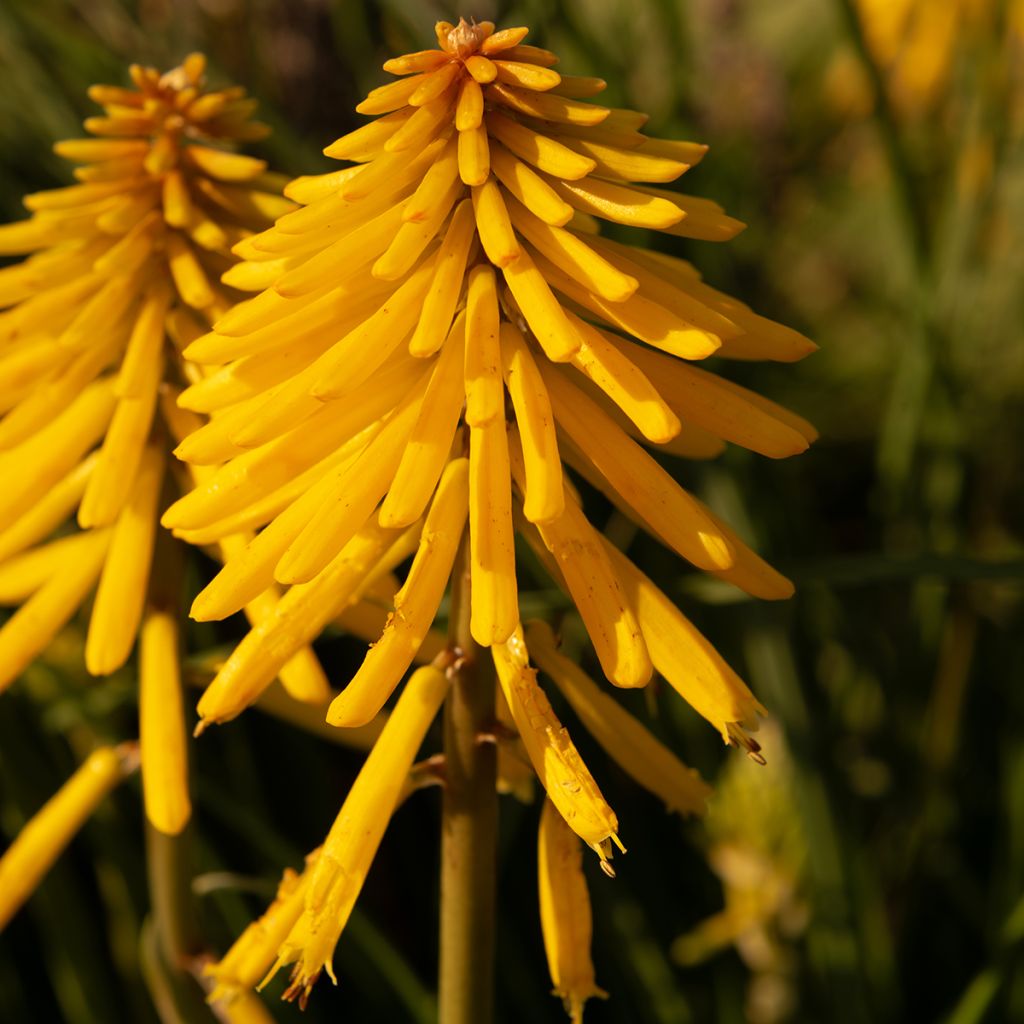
(441, 335)
(123, 274)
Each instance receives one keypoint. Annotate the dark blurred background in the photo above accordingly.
(874, 870)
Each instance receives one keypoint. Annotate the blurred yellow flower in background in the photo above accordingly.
(122, 276)
(440, 332)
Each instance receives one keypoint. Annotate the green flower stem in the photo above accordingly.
(468, 824)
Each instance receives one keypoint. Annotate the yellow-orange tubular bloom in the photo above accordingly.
(123, 275)
(440, 331)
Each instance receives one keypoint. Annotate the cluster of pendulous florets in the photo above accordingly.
(441, 341)
(441, 333)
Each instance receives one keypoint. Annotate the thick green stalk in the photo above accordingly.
(468, 824)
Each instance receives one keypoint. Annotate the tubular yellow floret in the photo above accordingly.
(47, 833)
(685, 658)
(122, 589)
(592, 581)
(27, 632)
(295, 621)
(162, 735)
(415, 604)
(565, 915)
(341, 868)
(636, 750)
(494, 597)
(543, 499)
(253, 953)
(555, 759)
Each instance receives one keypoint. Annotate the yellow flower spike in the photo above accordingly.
(351, 844)
(690, 664)
(162, 737)
(253, 953)
(122, 588)
(565, 915)
(555, 759)
(635, 749)
(469, 223)
(297, 619)
(494, 598)
(595, 587)
(415, 604)
(543, 499)
(125, 275)
(27, 632)
(48, 832)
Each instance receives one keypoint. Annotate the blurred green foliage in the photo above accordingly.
(875, 871)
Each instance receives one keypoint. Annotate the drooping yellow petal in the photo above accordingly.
(122, 452)
(493, 224)
(430, 442)
(415, 604)
(351, 844)
(494, 600)
(624, 383)
(635, 749)
(659, 501)
(545, 106)
(49, 831)
(595, 588)
(543, 152)
(565, 916)
(23, 575)
(444, 290)
(122, 590)
(162, 737)
(717, 405)
(529, 188)
(555, 759)
(544, 497)
(413, 237)
(541, 310)
(690, 664)
(469, 110)
(474, 155)
(573, 256)
(484, 396)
